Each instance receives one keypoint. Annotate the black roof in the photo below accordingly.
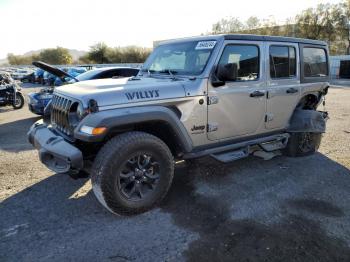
(274, 39)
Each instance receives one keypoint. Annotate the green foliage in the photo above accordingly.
(18, 59)
(328, 22)
(56, 56)
(101, 53)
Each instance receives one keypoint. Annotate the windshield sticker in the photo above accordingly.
(205, 45)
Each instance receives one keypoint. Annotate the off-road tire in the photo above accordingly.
(108, 164)
(20, 97)
(295, 144)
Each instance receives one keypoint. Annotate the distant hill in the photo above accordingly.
(74, 53)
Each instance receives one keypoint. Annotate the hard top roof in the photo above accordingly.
(248, 37)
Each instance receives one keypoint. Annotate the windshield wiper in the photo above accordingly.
(169, 72)
(148, 71)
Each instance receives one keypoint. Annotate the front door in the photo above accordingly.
(283, 84)
(238, 108)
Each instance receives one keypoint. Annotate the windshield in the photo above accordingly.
(187, 58)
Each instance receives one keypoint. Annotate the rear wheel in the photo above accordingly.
(132, 173)
(19, 101)
(303, 144)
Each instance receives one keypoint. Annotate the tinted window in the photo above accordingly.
(315, 62)
(247, 59)
(344, 70)
(282, 61)
(107, 74)
(127, 72)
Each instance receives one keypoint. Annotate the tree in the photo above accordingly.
(328, 22)
(56, 56)
(252, 23)
(99, 53)
(227, 25)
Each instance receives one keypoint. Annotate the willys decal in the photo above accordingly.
(142, 94)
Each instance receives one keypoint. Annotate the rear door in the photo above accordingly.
(283, 83)
(238, 107)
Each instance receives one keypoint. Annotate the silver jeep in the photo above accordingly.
(222, 96)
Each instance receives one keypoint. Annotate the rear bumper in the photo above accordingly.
(54, 152)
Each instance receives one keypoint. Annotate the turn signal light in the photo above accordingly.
(93, 130)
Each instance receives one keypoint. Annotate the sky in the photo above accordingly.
(77, 24)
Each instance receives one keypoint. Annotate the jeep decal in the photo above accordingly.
(197, 128)
(142, 94)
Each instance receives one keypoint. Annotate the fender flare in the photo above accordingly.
(125, 116)
(308, 121)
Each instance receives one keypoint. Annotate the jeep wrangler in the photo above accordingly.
(222, 96)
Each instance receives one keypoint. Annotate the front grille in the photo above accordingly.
(60, 107)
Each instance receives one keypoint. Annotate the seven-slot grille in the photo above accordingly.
(60, 114)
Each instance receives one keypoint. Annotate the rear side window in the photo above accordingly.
(247, 59)
(315, 62)
(282, 62)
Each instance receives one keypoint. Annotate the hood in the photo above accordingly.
(109, 92)
(53, 70)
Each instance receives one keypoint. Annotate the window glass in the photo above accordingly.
(315, 62)
(344, 69)
(282, 61)
(188, 58)
(247, 59)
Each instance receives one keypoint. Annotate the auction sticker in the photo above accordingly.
(205, 45)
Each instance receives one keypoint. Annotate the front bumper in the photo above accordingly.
(36, 109)
(55, 152)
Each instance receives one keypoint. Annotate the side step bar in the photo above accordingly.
(231, 155)
(228, 153)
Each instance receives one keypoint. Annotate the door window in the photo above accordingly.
(282, 62)
(247, 59)
(315, 62)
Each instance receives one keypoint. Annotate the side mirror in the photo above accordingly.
(227, 72)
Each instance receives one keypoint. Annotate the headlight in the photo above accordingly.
(76, 113)
(80, 111)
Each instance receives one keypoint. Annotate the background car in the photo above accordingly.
(39, 100)
(107, 72)
(20, 73)
(73, 71)
(30, 78)
(49, 78)
(39, 76)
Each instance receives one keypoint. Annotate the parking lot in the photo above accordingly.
(251, 210)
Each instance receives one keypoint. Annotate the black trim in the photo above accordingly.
(274, 39)
(235, 140)
(55, 152)
(235, 145)
(115, 118)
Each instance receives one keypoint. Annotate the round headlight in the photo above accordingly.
(80, 111)
(76, 113)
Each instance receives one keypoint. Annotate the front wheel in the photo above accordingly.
(303, 144)
(18, 103)
(132, 173)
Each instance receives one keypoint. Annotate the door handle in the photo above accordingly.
(291, 90)
(257, 94)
